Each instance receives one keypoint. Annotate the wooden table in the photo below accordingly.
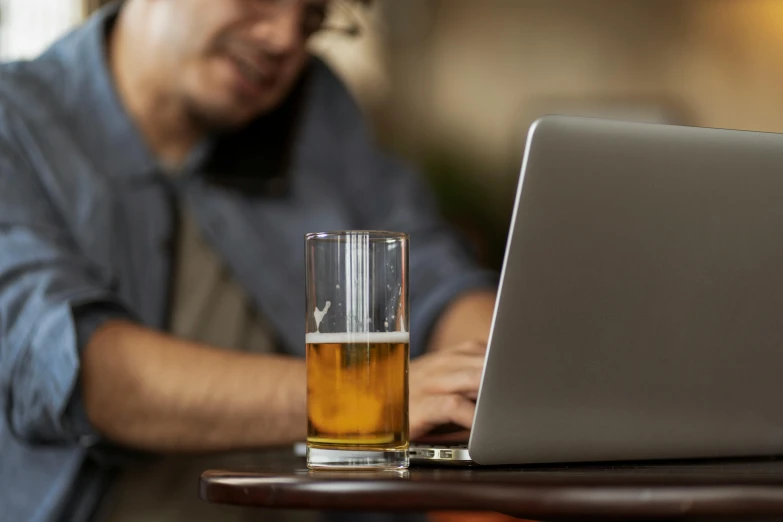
(736, 489)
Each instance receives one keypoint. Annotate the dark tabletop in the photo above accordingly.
(735, 489)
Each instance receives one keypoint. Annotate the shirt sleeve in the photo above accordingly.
(43, 281)
(87, 318)
(440, 267)
(391, 196)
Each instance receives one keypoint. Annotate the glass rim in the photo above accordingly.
(374, 235)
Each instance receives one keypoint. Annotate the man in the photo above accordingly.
(146, 187)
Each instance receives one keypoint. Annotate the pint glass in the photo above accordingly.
(357, 350)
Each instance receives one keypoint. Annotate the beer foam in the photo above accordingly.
(369, 337)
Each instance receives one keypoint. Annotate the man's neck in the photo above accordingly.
(163, 119)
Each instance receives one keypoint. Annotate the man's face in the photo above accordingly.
(232, 60)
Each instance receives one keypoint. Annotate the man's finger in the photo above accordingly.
(437, 410)
(461, 410)
(477, 347)
(472, 395)
(464, 380)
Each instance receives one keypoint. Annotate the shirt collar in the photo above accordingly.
(249, 159)
(113, 140)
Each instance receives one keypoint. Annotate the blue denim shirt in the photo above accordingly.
(86, 219)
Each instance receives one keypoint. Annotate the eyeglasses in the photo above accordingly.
(352, 27)
(317, 14)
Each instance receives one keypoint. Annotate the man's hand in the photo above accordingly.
(444, 386)
(444, 383)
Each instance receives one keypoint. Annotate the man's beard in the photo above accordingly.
(212, 120)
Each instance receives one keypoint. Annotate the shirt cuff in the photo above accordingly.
(429, 310)
(87, 319)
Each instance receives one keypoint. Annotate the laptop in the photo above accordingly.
(640, 311)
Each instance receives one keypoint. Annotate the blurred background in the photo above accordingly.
(452, 85)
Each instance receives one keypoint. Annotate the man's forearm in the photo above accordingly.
(468, 318)
(153, 392)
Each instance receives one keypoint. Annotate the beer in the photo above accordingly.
(357, 381)
(357, 391)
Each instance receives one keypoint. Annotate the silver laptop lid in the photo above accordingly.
(640, 313)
